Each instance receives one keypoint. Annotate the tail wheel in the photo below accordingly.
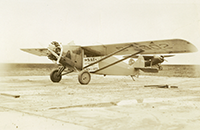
(55, 76)
(84, 77)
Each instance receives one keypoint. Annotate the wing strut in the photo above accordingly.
(111, 54)
(118, 61)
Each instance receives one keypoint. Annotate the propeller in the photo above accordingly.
(58, 55)
(161, 57)
(156, 59)
(61, 52)
(165, 60)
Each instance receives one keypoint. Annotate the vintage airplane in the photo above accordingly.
(99, 59)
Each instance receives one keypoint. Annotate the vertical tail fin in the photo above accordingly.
(140, 63)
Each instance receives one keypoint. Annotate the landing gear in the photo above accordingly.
(132, 78)
(55, 76)
(84, 77)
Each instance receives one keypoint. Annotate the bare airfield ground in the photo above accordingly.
(111, 103)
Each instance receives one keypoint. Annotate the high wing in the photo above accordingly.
(37, 51)
(149, 47)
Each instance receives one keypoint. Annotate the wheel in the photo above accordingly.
(84, 77)
(55, 76)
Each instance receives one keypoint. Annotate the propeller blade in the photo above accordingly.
(61, 52)
(168, 55)
(57, 54)
(163, 57)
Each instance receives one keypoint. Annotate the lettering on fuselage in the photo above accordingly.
(89, 60)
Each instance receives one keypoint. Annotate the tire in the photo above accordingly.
(55, 76)
(84, 77)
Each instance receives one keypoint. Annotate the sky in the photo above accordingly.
(35, 23)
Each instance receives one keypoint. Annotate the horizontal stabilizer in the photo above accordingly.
(148, 69)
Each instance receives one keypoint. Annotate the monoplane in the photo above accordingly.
(100, 59)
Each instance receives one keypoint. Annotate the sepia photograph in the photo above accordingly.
(100, 64)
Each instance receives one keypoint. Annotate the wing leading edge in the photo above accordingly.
(149, 47)
(37, 51)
